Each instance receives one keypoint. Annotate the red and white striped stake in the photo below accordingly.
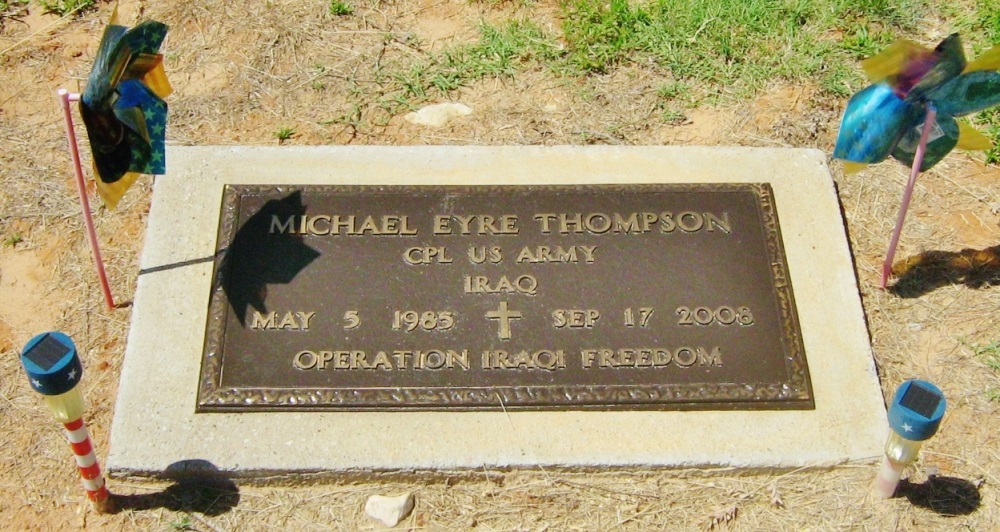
(86, 462)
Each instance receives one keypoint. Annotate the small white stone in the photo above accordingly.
(389, 510)
(438, 114)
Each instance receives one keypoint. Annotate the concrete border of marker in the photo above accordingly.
(155, 424)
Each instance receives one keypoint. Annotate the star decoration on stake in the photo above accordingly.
(123, 108)
(909, 111)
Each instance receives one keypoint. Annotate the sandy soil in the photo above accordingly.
(242, 71)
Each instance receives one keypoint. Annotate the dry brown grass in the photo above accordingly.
(243, 70)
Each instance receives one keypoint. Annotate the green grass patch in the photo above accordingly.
(65, 7)
(10, 5)
(283, 133)
(989, 123)
(184, 523)
(601, 35)
(989, 18)
(13, 240)
(990, 354)
(979, 26)
(735, 46)
(501, 51)
(704, 50)
(340, 8)
(10, 8)
(980, 30)
(988, 24)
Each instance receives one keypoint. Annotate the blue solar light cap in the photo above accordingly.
(51, 362)
(916, 410)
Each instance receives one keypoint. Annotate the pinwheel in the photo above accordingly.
(123, 108)
(909, 111)
(125, 116)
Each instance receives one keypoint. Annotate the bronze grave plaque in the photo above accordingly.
(500, 297)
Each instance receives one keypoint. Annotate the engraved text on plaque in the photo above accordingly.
(490, 297)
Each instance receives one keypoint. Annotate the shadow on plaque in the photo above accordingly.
(257, 258)
(949, 496)
(199, 487)
(930, 270)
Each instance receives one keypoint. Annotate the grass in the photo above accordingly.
(65, 7)
(991, 120)
(341, 9)
(988, 23)
(183, 524)
(980, 29)
(736, 46)
(283, 133)
(13, 240)
(501, 51)
(10, 5)
(990, 354)
(989, 18)
(11, 8)
(671, 98)
(705, 51)
(728, 49)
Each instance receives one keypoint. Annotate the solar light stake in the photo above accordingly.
(914, 416)
(54, 370)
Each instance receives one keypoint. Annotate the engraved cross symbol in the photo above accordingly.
(504, 315)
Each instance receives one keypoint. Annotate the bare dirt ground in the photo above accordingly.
(241, 71)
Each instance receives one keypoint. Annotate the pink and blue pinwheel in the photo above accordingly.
(910, 110)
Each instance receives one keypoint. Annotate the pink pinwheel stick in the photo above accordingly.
(918, 161)
(64, 98)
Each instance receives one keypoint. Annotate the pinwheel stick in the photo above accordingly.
(64, 98)
(918, 161)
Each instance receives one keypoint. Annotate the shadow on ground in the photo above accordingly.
(205, 492)
(930, 270)
(944, 495)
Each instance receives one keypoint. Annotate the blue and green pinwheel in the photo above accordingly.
(910, 110)
(887, 117)
(123, 108)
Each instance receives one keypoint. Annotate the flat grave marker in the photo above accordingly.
(352, 309)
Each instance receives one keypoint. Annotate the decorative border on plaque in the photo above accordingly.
(793, 394)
